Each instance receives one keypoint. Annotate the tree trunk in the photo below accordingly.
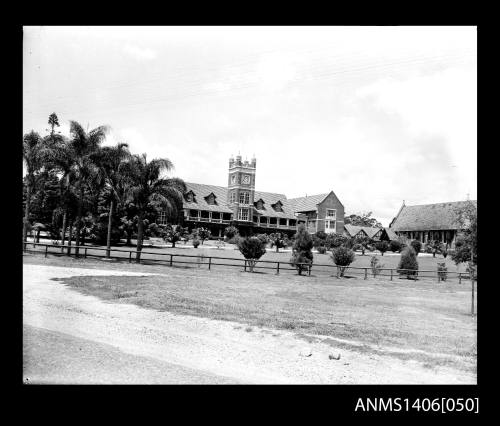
(79, 218)
(70, 226)
(140, 231)
(37, 239)
(108, 242)
(27, 209)
(63, 234)
(277, 248)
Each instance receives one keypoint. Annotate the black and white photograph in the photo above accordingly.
(214, 205)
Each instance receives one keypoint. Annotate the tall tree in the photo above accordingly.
(363, 219)
(53, 122)
(112, 160)
(146, 186)
(33, 155)
(79, 158)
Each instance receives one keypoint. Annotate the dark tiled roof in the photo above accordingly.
(304, 204)
(269, 198)
(428, 217)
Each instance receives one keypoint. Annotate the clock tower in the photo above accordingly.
(241, 189)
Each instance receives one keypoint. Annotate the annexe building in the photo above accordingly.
(254, 212)
(429, 222)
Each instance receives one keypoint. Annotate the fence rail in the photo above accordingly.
(210, 261)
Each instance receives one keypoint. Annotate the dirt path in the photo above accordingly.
(220, 349)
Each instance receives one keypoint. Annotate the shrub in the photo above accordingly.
(417, 246)
(382, 246)
(202, 234)
(230, 232)
(408, 264)
(321, 249)
(277, 240)
(233, 240)
(302, 256)
(395, 246)
(174, 233)
(375, 265)
(335, 240)
(342, 257)
(252, 249)
(319, 239)
(442, 271)
(196, 242)
(263, 237)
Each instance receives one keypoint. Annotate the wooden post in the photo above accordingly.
(338, 272)
(209, 263)
(245, 265)
(130, 256)
(460, 278)
(391, 274)
(437, 274)
(277, 268)
(366, 273)
(46, 249)
(85, 253)
(171, 256)
(309, 270)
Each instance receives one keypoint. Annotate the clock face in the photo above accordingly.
(246, 179)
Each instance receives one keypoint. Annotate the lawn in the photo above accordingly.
(234, 257)
(374, 314)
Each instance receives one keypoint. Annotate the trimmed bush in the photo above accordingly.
(302, 256)
(321, 249)
(382, 246)
(408, 264)
(395, 246)
(375, 265)
(252, 249)
(230, 232)
(342, 257)
(442, 271)
(417, 246)
(196, 242)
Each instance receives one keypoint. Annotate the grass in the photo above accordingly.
(416, 319)
(234, 257)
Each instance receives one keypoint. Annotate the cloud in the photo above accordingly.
(139, 53)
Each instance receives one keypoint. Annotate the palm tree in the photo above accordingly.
(112, 160)
(146, 186)
(33, 154)
(78, 159)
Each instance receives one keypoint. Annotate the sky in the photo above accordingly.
(377, 114)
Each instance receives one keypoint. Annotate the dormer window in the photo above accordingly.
(190, 197)
(277, 206)
(259, 205)
(211, 199)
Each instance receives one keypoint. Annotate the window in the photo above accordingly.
(330, 213)
(232, 197)
(210, 199)
(330, 226)
(162, 218)
(278, 206)
(243, 214)
(244, 198)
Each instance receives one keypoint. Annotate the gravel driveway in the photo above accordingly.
(160, 347)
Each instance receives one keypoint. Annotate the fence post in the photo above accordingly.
(366, 273)
(309, 270)
(85, 253)
(338, 272)
(437, 272)
(245, 265)
(46, 250)
(130, 256)
(460, 278)
(171, 256)
(209, 263)
(277, 268)
(391, 274)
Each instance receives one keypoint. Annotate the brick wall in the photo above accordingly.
(331, 202)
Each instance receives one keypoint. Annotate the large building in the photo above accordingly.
(429, 222)
(254, 212)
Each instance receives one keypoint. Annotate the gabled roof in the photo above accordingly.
(429, 217)
(353, 230)
(201, 191)
(391, 234)
(304, 204)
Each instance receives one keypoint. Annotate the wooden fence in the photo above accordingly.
(210, 261)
